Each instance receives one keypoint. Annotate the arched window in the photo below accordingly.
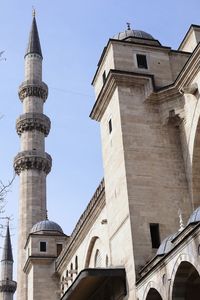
(107, 261)
(186, 283)
(153, 294)
(62, 285)
(67, 277)
(97, 259)
(76, 263)
(71, 269)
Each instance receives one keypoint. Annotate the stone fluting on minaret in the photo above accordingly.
(32, 163)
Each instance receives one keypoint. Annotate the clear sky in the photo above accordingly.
(72, 36)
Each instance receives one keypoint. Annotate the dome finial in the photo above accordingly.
(33, 11)
(128, 25)
(180, 220)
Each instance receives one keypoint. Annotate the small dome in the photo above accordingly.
(130, 33)
(195, 216)
(46, 225)
(166, 245)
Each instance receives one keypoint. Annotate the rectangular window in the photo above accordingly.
(110, 126)
(43, 247)
(104, 77)
(142, 61)
(155, 235)
(59, 249)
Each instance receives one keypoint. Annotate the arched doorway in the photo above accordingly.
(153, 295)
(186, 283)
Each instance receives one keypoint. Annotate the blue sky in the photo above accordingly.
(72, 35)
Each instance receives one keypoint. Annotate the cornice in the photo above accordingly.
(33, 121)
(187, 34)
(84, 224)
(190, 69)
(33, 159)
(37, 259)
(33, 89)
(114, 79)
(45, 234)
(183, 82)
(8, 286)
(135, 42)
(169, 94)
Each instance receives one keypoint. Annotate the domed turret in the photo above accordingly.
(138, 36)
(130, 33)
(195, 216)
(166, 245)
(46, 225)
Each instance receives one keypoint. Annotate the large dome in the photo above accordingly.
(46, 225)
(166, 245)
(130, 33)
(195, 216)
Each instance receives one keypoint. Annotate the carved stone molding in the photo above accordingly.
(8, 286)
(83, 225)
(31, 121)
(26, 160)
(28, 89)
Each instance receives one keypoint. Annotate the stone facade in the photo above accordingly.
(146, 117)
(147, 103)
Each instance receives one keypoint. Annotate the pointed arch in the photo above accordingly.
(181, 259)
(153, 294)
(97, 259)
(186, 285)
(89, 251)
(152, 290)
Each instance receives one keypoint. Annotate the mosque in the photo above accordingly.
(139, 236)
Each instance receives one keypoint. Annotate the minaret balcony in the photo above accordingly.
(34, 160)
(33, 121)
(33, 88)
(8, 286)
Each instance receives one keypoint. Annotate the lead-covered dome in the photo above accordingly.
(166, 245)
(46, 225)
(195, 216)
(130, 33)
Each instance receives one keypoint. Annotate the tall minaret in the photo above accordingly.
(7, 285)
(32, 164)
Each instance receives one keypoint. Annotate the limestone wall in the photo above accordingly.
(84, 254)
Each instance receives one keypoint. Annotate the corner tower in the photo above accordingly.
(7, 285)
(32, 163)
(142, 155)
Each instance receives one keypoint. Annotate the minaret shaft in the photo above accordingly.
(33, 67)
(32, 164)
(7, 285)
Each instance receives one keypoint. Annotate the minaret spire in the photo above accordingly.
(7, 285)
(7, 249)
(32, 163)
(34, 40)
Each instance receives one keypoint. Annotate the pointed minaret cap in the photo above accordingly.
(7, 249)
(34, 41)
